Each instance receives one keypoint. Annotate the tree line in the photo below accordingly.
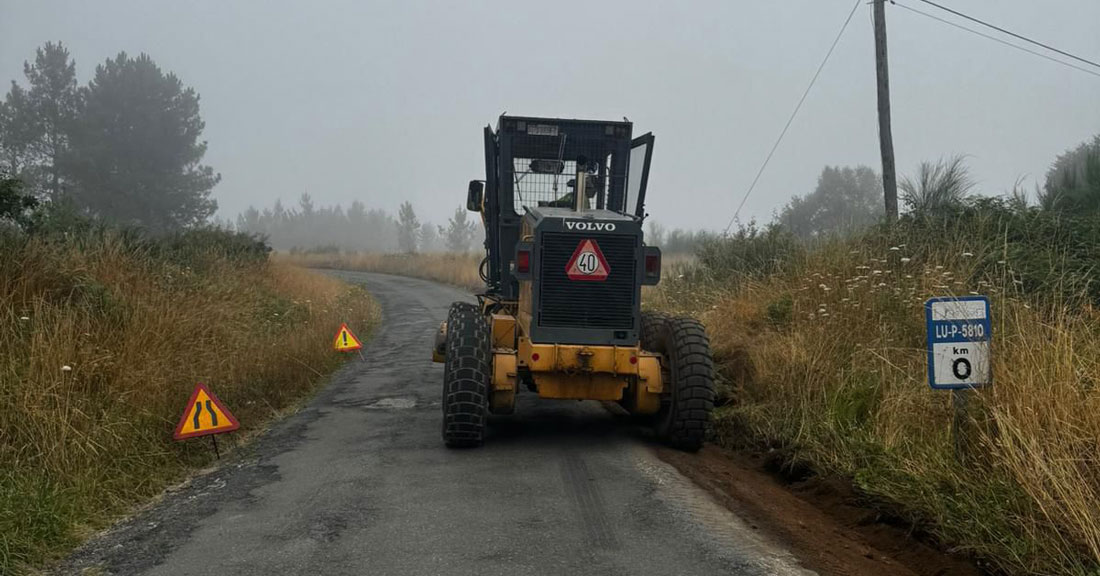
(125, 148)
(309, 228)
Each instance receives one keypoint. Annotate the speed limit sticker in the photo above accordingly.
(587, 262)
(959, 337)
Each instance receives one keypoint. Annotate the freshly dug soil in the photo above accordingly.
(820, 519)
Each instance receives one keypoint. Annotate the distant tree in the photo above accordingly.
(15, 206)
(1073, 182)
(845, 200)
(305, 204)
(429, 238)
(408, 228)
(938, 186)
(655, 236)
(136, 148)
(460, 232)
(36, 123)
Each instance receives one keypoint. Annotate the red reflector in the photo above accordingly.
(633, 359)
(535, 357)
(652, 264)
(523, 262)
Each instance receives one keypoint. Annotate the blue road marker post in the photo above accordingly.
(960, 334)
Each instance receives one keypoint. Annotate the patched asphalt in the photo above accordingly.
(359, 482)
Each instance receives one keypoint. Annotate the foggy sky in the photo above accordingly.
(385, 101)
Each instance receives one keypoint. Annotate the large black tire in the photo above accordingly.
(682, 421)
(465, 377)
(653, 328)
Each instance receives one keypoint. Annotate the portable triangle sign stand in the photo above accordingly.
(346, 341)
(204, 415)
(587, 263)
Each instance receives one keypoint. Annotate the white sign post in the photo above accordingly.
(959, 355)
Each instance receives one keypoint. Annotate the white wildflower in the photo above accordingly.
(66, 368)
(906, 260)
(24, 318)
(894, 248)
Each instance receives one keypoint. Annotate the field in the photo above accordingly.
(822, 360)
(103, 337)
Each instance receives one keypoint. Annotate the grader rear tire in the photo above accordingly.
(690, 371)
(466, 376)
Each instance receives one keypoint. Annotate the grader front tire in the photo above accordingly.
(466, 377)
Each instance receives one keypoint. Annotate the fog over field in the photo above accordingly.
(383, 102)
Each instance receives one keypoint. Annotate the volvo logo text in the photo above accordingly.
(589, 226)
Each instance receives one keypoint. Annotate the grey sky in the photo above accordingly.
(384, 101)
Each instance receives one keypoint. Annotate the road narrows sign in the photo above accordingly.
(587, 263)
(959, 342)
(204, 414)
(346, 341)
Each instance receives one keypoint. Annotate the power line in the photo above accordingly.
(790, 120)
(1010, 33)
(998, 40)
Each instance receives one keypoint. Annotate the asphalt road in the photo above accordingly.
(359, 482)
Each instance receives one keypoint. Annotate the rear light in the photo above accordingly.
(652, 264)
(523, 261)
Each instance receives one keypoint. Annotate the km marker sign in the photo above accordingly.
(959, 336)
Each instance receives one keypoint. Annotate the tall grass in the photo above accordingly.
(103, 336)
(828, 362)
(457, 269)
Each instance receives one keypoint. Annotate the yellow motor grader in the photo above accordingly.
(563, 203)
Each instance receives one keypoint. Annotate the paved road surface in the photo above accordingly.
(359, 482)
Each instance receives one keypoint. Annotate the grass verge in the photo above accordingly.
(102, 338)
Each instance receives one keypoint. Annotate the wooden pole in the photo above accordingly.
(885, 133)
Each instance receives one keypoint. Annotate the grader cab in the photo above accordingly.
(563, 203)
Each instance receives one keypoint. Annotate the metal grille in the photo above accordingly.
(577, 304)
(544, 167)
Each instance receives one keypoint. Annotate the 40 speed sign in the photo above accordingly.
(959, 336)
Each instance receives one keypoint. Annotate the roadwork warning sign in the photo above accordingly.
(346, 341)
(587, 263)
(959, 337)
(204, 414)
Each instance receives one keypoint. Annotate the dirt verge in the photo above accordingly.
(821, 520)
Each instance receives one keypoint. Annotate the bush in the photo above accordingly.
(752, 252)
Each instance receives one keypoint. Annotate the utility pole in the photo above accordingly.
(885, 134)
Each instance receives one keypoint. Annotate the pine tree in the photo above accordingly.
(408, 228)
(136, 152)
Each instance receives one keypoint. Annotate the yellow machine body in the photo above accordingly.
(625, 374)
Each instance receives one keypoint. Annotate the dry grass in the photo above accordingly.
(137, 330)
(830, 363)
(455, 269)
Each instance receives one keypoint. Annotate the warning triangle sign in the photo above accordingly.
(587, 263)
(346, 341)
(204, 414)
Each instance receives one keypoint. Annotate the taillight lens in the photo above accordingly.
(652, 264)
(523, 261)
